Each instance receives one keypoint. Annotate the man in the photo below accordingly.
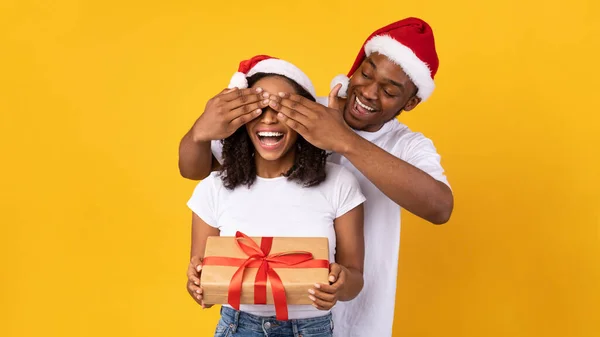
(396, 168)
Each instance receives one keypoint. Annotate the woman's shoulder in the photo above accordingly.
(212, 178)
(214, 175)
(337, 174)
(344, 189)
(336, 169)
(212, 182)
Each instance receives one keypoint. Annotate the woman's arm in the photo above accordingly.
(200, 233)
(346, 275)
(350, 251)
(196, 160)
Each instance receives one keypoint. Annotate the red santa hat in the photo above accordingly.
(270, 65)
(410, 44)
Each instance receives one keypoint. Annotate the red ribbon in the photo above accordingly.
(260, 257)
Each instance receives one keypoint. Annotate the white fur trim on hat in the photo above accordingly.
(343, 80)
(238, 80)
(417, 70)
(284, 68)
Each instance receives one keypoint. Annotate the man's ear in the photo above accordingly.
(412, 103)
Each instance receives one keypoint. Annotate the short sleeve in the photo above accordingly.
(421, 153)
(203, 201)
(347, 193)
(216, 146)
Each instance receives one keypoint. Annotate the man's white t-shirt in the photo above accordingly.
(371, 313)
(278, 207)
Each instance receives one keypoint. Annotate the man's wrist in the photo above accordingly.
(199, 139)
(347, 143)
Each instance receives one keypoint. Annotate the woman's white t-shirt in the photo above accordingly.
(278, 207)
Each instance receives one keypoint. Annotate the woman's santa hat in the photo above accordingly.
(270, 65)
(409, 43)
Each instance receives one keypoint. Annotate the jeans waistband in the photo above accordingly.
(235, 319)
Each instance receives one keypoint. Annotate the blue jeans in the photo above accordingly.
(240, 324)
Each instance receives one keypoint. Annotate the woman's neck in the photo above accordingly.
(274, 168)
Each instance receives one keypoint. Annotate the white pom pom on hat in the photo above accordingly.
(269, 65)
(238, 80)
(343, 80)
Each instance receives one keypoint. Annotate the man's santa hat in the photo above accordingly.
(409, 43)
(270, 65)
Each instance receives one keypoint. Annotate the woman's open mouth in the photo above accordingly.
(270, 139)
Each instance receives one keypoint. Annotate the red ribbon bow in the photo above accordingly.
(260, 257)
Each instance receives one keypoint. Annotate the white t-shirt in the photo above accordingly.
(371, 313)
(278, 207)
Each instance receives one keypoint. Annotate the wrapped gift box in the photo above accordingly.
(244, 270)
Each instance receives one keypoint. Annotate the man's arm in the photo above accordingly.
(223, 114)
(406, 185)
(196, 160)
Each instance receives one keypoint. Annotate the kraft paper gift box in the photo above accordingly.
(263, 270)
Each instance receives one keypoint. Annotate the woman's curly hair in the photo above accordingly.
(239, 167)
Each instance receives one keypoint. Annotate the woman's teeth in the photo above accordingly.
(364, 106)
(269, 134)
(270, 137)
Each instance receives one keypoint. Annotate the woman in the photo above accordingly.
(274, 183)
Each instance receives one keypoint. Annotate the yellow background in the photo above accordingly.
(95, 95)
